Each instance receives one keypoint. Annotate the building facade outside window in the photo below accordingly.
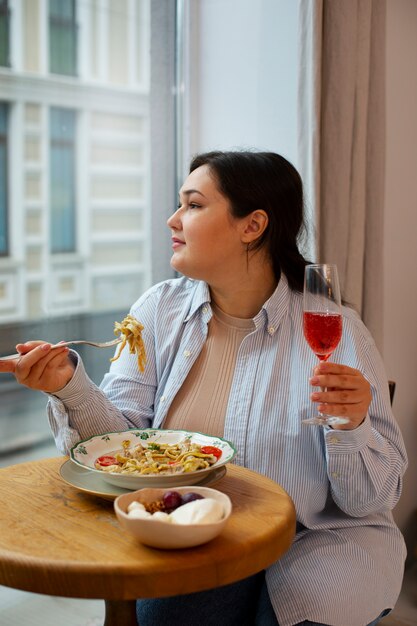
(76, 162)
(62, 37)
(4, 32)
(3, 181)
(62, 180)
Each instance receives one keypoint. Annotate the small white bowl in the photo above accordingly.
(162, 534)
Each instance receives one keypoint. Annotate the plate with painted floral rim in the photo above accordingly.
(86, 452)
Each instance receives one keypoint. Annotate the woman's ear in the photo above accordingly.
(256, 224)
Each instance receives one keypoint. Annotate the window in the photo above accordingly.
(90, 176)
(62, 180)
(3, 180)
(62, 37)
(4, 32)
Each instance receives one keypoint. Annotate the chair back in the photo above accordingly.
(391, 385)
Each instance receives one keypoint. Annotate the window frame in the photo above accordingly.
(157, 99)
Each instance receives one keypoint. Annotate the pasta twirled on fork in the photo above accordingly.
(131, 332)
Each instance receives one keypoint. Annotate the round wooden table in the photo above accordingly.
(59, 541)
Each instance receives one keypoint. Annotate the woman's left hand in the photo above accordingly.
(345, 393)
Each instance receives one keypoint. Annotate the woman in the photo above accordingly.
(227, 356)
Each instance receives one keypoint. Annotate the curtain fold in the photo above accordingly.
(342, 139)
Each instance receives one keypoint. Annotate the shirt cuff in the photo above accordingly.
(76, 390)
(348, 441)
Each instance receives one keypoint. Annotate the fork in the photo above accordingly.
(96, 344)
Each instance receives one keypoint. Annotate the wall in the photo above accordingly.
(400, 252)
(243, 72)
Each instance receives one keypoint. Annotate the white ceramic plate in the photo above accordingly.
(88, 482)
(85, 453)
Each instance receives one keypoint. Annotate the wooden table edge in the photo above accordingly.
(67, 578)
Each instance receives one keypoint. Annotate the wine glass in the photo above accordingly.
(322, 321)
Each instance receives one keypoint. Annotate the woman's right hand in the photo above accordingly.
(39, 367)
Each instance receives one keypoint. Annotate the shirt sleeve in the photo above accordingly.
(366, 465)
(124, 400)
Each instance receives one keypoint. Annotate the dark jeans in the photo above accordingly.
(245, 603)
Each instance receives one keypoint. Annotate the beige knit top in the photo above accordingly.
(200, 405)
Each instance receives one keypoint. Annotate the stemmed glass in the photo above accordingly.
(322, 321)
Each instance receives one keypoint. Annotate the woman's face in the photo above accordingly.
(206, 238)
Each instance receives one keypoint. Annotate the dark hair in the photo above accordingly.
(265, 181)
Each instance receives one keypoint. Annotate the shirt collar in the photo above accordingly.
(270, 315)
(200, 298)
(275, 307)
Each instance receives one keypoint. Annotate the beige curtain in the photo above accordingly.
(341, 142)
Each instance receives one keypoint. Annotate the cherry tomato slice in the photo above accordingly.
(106, 460)
(212, 450)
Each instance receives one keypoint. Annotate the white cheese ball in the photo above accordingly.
(161, 516)
(135, 505)
(139, 514)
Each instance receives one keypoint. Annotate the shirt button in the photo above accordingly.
(335, 474)
(205, 309)
(186, 353)
(162, 399)
(334, 439)
(271, 330)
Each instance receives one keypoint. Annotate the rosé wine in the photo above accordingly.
(322, 332)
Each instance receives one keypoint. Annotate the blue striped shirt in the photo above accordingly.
(346, 563)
